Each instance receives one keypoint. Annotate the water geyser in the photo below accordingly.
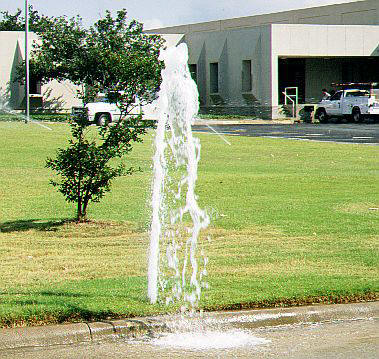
(174, 272)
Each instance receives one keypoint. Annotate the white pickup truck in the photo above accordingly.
(353, 103)
(101, 111)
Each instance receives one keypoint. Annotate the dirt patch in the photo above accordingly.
(359, 208)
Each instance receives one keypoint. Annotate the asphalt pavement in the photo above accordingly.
(360, 133)
(346, 331)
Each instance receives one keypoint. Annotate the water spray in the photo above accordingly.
(177, 219)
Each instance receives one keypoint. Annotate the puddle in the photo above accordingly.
(205, 340)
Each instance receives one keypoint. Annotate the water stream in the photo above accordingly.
(4, 109)
(175, 271)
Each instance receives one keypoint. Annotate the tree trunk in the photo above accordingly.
(81, 215)
(84, 210)
(81, 210)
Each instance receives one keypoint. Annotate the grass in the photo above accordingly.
(292, 222)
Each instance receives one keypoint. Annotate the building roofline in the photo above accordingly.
(252, 17)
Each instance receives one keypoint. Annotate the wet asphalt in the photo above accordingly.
(347, 331)
(332, 132)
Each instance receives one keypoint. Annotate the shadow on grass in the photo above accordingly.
(47, 225)
(47, 307)
(62, 313)
(57, 294)
(62, 294)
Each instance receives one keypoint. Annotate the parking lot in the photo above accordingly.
(332, 132)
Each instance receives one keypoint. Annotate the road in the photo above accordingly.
(356, 339)
(239, 335)
(345, 133)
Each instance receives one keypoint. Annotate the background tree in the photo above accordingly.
(112, 56)
(16, 22)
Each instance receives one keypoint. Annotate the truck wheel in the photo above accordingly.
(322, 116)
(103, 120)
(356, 114)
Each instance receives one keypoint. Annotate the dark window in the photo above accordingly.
(213, 68)
(34, 86)
(246, 76)
(292, 74)
(336, 96)
(193, 71)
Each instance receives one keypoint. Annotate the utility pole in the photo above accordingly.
(27, 110)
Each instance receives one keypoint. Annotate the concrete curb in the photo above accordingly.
(91, 332)
(301, 315)
(16, 338)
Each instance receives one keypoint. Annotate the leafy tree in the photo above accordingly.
(113, 56)
(84, 166)
(16, 22)
(11, 22)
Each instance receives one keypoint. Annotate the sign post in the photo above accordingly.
(27, 109)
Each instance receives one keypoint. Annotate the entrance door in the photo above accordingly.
(292, 74)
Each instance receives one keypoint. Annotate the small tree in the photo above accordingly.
(84, 167)
(112, 56)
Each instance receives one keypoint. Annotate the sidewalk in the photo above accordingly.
(91, 332)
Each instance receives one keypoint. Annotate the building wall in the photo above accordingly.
(10, 56)
(56, 96)
(313, 34)
(322, 47)
(353, 13)
(229, 49)
(326, 40)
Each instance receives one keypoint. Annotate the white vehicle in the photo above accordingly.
(101, 111)
(354, 103)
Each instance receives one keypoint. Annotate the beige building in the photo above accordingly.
(53, 96)
(244, 65)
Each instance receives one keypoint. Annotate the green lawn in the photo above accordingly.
(292, 222)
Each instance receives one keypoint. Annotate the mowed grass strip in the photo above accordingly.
(290, 221)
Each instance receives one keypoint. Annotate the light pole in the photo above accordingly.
(26, 63)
